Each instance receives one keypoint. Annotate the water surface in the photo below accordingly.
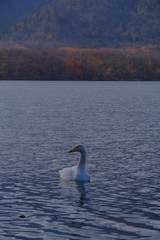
(118, 123)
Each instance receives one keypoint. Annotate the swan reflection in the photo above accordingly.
(74, 188)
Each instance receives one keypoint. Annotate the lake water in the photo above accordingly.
(117, 122)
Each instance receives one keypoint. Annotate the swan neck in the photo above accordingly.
(82, 160)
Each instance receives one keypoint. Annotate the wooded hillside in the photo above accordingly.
(87, 23)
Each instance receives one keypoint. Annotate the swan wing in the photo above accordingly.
(67, 173)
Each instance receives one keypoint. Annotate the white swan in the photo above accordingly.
(76, 173)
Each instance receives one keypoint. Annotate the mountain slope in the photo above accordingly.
(89, 23)
(11, 11)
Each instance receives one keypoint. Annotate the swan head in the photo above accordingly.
(78, 148)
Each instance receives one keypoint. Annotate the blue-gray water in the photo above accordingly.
(118, 123)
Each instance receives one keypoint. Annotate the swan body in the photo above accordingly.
(76, 173)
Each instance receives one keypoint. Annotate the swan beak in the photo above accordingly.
(73, 150)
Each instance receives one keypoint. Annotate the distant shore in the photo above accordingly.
(108, 64)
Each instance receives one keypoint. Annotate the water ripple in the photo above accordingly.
(119, 125)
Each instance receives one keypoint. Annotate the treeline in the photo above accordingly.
(79, 64)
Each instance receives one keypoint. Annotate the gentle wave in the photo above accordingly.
(119, 125)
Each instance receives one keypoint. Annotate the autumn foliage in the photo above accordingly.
(18, 63)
